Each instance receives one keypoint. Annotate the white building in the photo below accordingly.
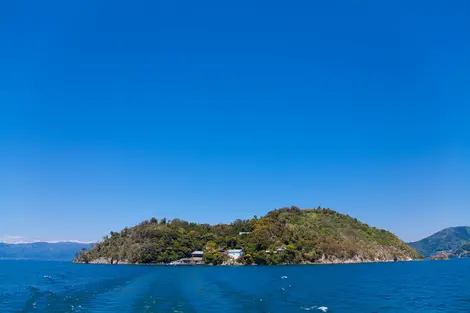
(281, 250)
(197, 254)
(235, 254)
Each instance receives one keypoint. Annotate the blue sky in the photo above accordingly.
(112, 112)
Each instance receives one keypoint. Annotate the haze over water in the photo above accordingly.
(53, 287)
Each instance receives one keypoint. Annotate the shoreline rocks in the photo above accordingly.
(323, 261)
(106, 261)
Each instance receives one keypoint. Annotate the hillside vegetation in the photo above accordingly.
(449, 239)
(462, 252)
(308, 236)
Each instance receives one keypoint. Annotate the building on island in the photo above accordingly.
(280, 250)
(235, 254)
(197, 254)
(195, 259)
(244, 233)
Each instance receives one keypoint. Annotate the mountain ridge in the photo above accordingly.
(448, 239)
(59, 251)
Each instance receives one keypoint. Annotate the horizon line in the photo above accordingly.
(24, 242)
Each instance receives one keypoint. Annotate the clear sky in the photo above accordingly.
(112, 112)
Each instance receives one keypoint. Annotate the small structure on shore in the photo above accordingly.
(197, 258)
(197, 254)
(235, 253)
(280, 250)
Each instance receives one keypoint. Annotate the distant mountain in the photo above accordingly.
(462, 252)
(42, 250)
(449, 239)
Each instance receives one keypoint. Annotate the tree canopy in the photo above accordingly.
(303, 236)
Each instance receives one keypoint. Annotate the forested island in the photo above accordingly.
(284, 236)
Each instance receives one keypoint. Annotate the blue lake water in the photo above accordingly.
(33, 286)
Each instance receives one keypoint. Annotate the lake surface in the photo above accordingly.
(33, 286)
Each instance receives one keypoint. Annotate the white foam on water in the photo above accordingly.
(283, 277)
(309, 308)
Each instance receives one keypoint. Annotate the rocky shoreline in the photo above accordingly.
(324, 260)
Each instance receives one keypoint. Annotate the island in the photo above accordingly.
(284, 236)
